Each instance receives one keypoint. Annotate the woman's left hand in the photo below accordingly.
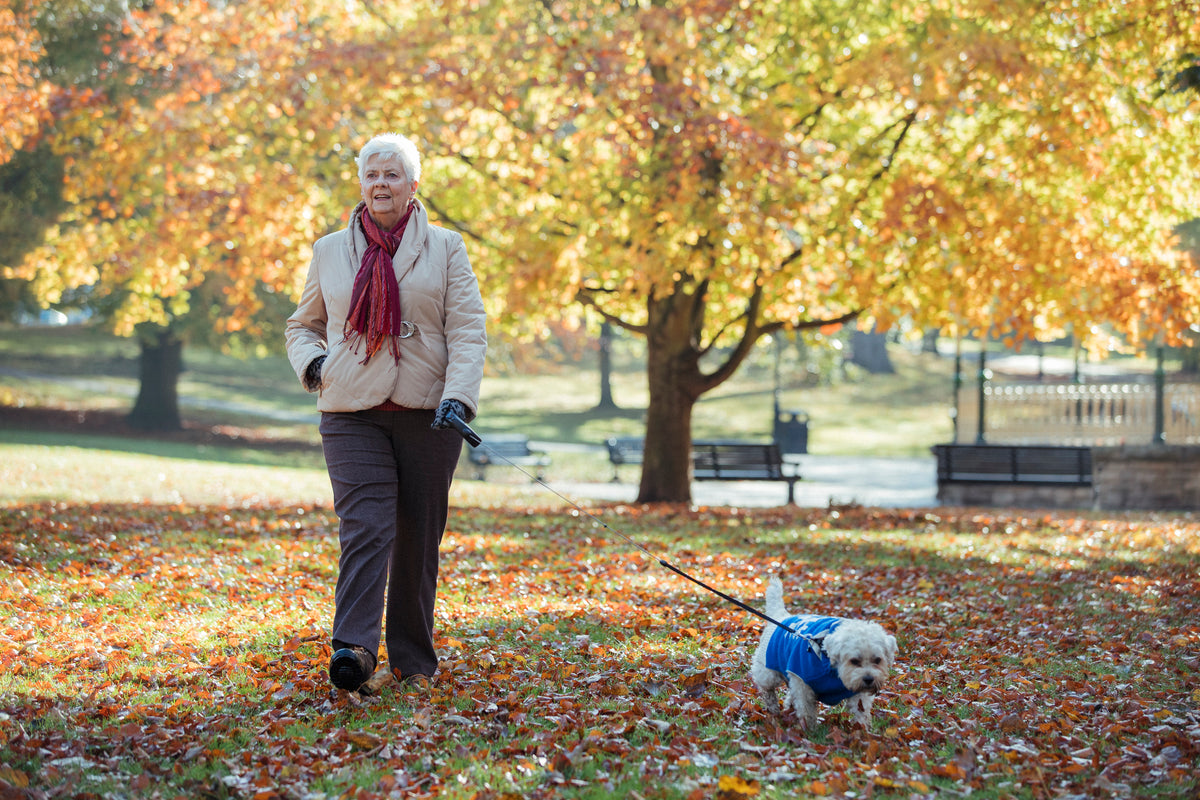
(445, 409)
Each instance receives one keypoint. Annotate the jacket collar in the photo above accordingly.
(410, 246)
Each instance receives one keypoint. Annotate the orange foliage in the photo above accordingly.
(1014, 169)
(24, 95)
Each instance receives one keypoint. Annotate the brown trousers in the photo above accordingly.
(391, 477)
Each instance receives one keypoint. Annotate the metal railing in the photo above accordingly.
(1079, 414)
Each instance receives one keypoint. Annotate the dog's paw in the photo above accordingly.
(860, 709)
(770, 701)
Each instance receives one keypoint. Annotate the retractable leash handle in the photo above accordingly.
(472, 438)
(463, 429)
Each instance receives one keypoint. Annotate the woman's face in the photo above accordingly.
(386, 190)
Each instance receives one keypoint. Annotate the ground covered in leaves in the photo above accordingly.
(174, 651)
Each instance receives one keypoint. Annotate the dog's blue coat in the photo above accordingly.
(795, 654)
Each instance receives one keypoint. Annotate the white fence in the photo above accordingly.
(1078, 414)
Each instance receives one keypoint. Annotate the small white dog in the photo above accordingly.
(830, 660)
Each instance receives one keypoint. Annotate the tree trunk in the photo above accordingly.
(606, 397)
(1189, 361)
(161, 362)
(667, 460)
(1189, 353)
(929, 341)
(673, 333)
(869, 351)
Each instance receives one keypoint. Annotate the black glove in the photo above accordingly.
(444, 410)
(312, 374)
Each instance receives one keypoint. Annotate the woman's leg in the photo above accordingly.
(362, 470)
(427, 459)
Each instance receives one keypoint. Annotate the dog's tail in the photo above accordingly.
(775, 607)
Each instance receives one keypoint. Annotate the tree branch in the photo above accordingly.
(586, 296)
(458, 225)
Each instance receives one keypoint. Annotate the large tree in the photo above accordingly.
(702, 173)
(193, 184)
(705, 173)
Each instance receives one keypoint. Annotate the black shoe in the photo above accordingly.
(350, 667)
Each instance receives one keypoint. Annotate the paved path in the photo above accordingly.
(826, 480)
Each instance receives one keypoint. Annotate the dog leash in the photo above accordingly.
(474, 439)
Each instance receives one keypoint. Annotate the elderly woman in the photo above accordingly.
(390, 331)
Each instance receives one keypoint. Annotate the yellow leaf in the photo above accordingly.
(731, 786)
(14, 777)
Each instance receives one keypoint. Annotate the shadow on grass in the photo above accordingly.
(108, 430)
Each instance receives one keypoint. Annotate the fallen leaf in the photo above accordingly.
(1010, 723)
(363, 740)
(732, 787)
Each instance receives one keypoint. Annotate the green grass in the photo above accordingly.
(850, 411)
(57, 467)
(900, 414)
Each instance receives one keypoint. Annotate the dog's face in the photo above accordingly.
(862, 653)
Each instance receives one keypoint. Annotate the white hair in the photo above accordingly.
(392, 144)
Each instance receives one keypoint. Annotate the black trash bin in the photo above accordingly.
(791, 432)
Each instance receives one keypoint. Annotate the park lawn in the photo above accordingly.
(175, 646)
(901, 414)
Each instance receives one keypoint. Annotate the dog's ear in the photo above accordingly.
(891, 648)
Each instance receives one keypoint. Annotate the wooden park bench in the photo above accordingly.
(1018, 463)
(623, 450)
(742, 461)
(503, 448)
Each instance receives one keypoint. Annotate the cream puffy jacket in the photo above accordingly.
(442, 350)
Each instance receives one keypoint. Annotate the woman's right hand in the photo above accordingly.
(312, 375)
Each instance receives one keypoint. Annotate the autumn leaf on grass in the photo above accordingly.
(13, 778)
(731, 787)
(363, 740)
(951, 770)
(694, 683)
(382, 677)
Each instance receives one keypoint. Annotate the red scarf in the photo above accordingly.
(375, 302)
